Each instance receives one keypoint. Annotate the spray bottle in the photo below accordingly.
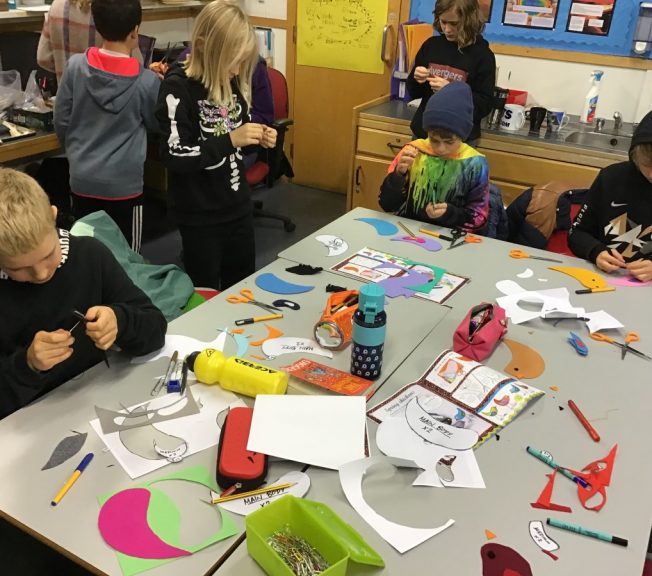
(236, 374)
(591, 98)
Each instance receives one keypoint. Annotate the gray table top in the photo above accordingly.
(31, 433)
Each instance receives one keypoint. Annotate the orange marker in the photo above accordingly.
(587, 425)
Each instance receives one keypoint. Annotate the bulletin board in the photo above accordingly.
(618, 42)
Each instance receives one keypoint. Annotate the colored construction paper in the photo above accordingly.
(429, 244)
(400, 285)
(272, 332)
(598, 475)
(325, 431)
(335, 244)
(272, 283)
(383, 227)
(526, 362)
(402, 538)
(123, 525)
(242, 344)
(544, 500)
(489, 534)
(499, 560)
(626, 281)
(588, 278)
(65, 450)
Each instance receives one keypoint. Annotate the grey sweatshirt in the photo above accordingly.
(104, 108)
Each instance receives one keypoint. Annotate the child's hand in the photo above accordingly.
(102, 326)
(437, 83)
(406, 160)
(49, 349)
(247, 135)
(641, 270)
(269, 137)
(421, 74)
(435, 211)
(610, 261)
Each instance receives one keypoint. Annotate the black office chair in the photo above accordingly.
(272, 163)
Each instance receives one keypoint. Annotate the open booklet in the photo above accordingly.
(463, 393)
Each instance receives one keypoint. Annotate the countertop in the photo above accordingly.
(398, 111)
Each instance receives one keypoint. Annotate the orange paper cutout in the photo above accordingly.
(237, 330)
(598, 475)
(543, 501)
(526, 362)
(271, 333)
(256, 357)
(489, 534)
(588, 278)
(554, 388)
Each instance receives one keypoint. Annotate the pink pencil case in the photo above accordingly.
(480, 331)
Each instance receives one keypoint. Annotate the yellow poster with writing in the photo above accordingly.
(341, 34)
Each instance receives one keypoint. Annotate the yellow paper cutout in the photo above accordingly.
(587, 278)
(341, 34)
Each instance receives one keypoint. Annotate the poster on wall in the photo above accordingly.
(530, 13)
(341, 34)
(591, 17)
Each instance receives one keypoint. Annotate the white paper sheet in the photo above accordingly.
(335, 244)
(394, 438)
(403, 538)
(273, 347)
(200, 431)
(244, 506)
(601, 320)
(182, 344)
(325, 431)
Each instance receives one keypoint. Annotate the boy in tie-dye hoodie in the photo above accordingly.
(440, 179)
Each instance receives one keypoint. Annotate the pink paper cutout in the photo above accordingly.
(429, 244)
(627, 281)
(123, 525)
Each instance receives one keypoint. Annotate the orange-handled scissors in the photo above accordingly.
(520, 254)
(629, 337)
(247, 297)
(464, 238)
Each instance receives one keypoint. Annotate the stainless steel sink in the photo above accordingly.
(600, 140)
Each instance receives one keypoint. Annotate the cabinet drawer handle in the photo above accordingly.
(357, 175)
(394, 147)
(383, 46)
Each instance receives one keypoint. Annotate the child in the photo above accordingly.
(45, 274)
(104, 107)
(440, 179)
(458, 54)
(614, 227)
(203, 112)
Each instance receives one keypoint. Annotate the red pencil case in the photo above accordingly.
(236, 464)
(480, 331)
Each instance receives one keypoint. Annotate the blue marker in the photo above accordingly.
(547, 458)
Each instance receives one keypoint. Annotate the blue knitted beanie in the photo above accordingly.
(450, 108)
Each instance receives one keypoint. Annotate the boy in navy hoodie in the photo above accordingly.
(104, 107)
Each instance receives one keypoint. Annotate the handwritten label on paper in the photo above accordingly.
(290, 345)
(437, 432)
(540, 537)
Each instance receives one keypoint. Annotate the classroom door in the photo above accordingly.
(323, 111)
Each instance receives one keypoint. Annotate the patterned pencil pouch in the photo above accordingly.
(480, 331)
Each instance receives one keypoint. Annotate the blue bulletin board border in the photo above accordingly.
(618, 42)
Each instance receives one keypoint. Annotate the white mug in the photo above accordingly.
(557, 119)
(513, 117)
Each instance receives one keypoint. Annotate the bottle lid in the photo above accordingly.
(371, 301)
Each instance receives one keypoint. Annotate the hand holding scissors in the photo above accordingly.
(629, 337)
(247, 297)
(520, 254)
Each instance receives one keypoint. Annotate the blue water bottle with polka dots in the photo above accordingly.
(368, 337)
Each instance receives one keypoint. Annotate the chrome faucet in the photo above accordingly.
(599, 124)
(618, 121)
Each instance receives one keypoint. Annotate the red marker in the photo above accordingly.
(587, 425)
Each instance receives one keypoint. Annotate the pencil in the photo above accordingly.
(252, 492)
(411, 234)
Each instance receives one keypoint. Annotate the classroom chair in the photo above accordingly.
(272, 163)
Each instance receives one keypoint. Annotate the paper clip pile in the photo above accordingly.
(297, 554)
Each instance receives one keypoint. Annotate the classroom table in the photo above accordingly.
(31, 433)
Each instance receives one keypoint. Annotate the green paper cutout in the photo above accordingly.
(163, 517)
(428, 286)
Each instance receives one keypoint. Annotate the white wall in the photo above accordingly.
(563, 84)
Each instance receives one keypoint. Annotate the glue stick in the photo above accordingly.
(236, 374)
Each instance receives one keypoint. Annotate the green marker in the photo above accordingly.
(586, 532)
(547, 458)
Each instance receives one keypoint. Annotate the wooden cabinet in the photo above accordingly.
(381, 128)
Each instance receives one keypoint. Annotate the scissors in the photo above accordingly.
(624, 348)
(463, 238)
(247, 297)
(520, 254)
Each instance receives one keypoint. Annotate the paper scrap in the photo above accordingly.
(325, 431)
(489, 534)
(244, 506)
(274, 347)
(396, 439)
(601, 320)
(527, 273)
(65, 449)
(402, 538)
